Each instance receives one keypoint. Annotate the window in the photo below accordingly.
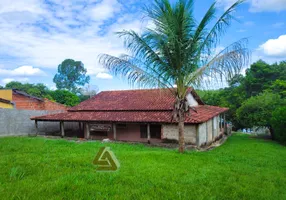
(100, 129)
(99, 133)
(143, 131)
(155, 131)
(121, 126)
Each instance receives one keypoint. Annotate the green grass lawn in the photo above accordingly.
(242, 168)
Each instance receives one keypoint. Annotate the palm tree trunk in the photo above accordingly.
(181, 132)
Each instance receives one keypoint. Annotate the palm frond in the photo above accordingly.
(225, 64)
(219, 28)
(127, 67)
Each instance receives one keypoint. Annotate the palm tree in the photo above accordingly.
(178, 52)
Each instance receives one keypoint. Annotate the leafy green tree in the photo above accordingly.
(178, 51)
(71, 75)
(65, 97)
(278, 122)
(260, 76)
(257, 110)
(38, 90)
(279, 86)
(16, 85)
(34, 92)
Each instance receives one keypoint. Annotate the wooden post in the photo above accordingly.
(207, 132)
(36, 126)
(213, 128)
(62, 129)
(114, 131)
(220, 123)
(148, 133)
(224, 121)
(224, 124)
(87, 131)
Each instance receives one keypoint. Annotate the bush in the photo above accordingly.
(278, 123)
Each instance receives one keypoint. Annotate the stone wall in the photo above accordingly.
(17, 122)
(171, 132)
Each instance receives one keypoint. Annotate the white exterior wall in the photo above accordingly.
(215, 127)
(191, 100)
(171, 132)
(209, 131)
(202, 134)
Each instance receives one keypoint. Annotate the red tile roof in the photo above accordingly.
(143, 100)
(203, 114)
(152, 106)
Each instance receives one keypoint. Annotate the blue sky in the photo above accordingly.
(37, 35)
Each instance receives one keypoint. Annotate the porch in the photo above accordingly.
(130, 132)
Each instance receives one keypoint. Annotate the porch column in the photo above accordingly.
(148, 133)
(224, 121)
(220, 122)
(36, 126)
(87, 132)
(62, 129)
(114, 131)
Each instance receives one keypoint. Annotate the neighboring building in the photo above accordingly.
(141, 115)
(4, 103)
(11, 98)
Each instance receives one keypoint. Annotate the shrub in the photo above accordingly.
(278, 123)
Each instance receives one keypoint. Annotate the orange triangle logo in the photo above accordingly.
(106, 160)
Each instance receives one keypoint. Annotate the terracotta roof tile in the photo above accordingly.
(150, 99)
(204, 113)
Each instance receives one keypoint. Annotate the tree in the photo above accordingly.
(65, 97)
(178, 52)
(278, 123)
(16, 85)
(71, 75)
(38, 90)
(260, 76)
(257, 110)
(279, 87)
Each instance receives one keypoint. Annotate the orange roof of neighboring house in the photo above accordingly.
(153, 106)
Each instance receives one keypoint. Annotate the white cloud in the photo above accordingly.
(20, 6)
(103, 75)
(105, 10)
(274, 47)
(22, 71)
(8, 80)
(43, 35)
(259, 5)
(267, 5)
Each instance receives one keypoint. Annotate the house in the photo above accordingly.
(12, 98)
(141, 116)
